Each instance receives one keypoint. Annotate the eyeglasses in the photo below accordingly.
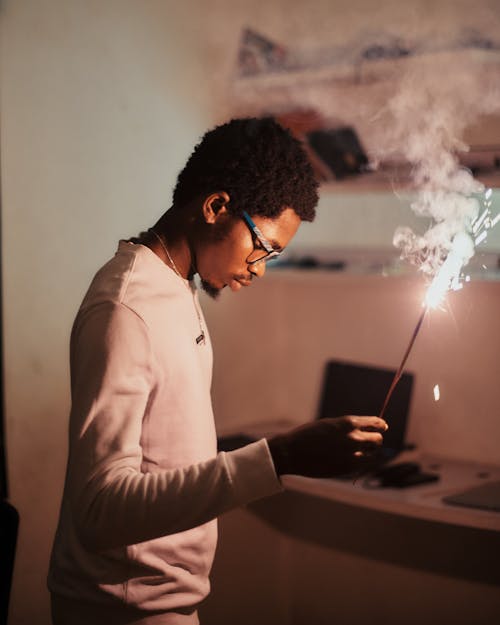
(266, 251)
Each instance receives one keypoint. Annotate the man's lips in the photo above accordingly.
(237, 283)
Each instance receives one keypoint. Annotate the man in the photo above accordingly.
(144, 484)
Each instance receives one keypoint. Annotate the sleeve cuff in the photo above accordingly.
(251, 472)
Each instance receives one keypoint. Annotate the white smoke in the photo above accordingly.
(435, 102)
(412, 107)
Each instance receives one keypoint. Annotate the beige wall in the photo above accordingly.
(101, 102)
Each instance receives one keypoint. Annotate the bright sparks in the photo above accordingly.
(449, 274)
(437, 393)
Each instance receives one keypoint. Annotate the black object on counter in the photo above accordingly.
(402, 475)
(357, 389)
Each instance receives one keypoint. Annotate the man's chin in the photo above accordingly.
(210, 290)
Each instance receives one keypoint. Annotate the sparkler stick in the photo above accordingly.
(403, 362)
(399, 372)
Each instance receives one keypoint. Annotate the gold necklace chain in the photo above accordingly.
(200, 340)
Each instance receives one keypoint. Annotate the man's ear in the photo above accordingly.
(214, 206)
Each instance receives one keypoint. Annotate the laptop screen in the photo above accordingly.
(354, 389)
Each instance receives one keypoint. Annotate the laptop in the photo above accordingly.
(357, 389)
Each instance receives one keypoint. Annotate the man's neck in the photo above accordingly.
(176, 250)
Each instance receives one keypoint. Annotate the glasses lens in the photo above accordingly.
(263, 251)
(261, 256)
(257, 256)
(273, 256)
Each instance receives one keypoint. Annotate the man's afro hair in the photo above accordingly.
(262, 167)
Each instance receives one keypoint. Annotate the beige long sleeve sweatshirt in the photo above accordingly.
(144, 485)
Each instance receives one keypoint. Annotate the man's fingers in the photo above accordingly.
(369, 424)
(366, 438)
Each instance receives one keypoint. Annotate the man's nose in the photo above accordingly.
(258, 269)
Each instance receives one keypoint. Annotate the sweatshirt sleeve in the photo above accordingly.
(113, 502)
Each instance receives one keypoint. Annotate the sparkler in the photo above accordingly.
(448, 277)
(399, 371)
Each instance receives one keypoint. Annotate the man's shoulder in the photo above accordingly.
(134, 277)
(109, 284)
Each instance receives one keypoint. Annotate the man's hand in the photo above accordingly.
(328, 447)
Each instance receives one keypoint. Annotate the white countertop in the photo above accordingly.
(423, 501)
